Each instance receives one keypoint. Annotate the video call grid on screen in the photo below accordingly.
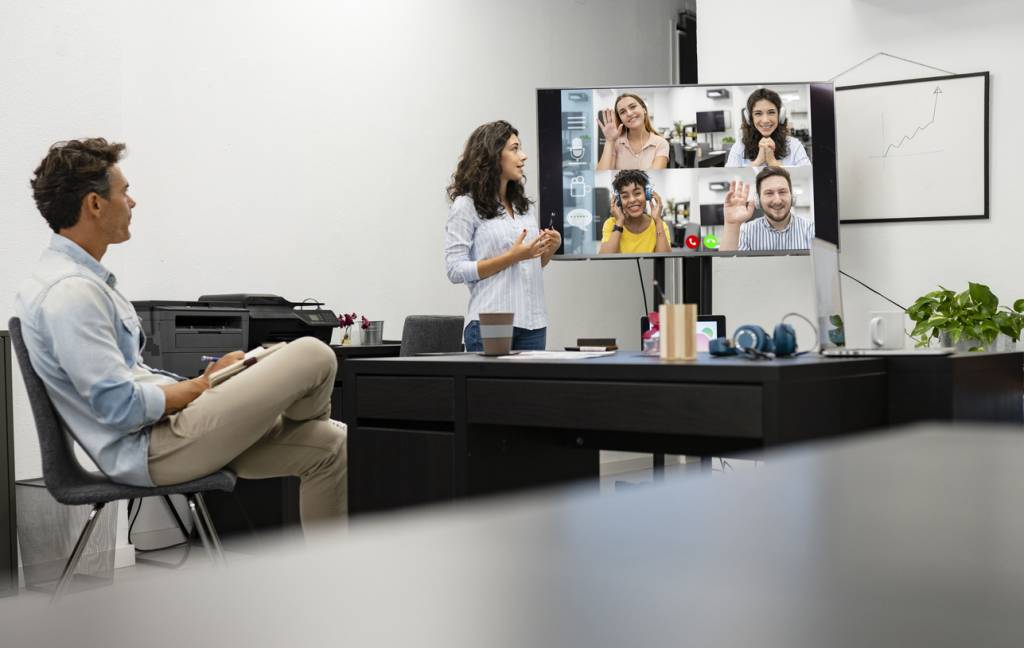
(700, 126)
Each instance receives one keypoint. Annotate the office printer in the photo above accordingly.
(275, 319)
(180, 333)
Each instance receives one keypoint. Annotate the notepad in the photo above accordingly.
(251, 358)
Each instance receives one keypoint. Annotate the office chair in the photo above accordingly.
(71, 484)
(431, 334)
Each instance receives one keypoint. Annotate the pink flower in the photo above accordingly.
(365, 324)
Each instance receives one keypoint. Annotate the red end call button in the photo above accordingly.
(692, 242)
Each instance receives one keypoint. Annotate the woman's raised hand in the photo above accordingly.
(656, 206)
(616, 210)
(610, 129)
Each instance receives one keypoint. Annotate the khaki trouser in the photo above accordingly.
(271, 420)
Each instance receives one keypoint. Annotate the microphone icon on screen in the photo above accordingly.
(576, 149)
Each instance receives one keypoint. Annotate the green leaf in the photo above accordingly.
(982, 294)
(919, 329)
(1019, 305)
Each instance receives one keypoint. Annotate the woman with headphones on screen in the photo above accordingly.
(765, 135)
(630, 141)
(630, 229)
(492, 240)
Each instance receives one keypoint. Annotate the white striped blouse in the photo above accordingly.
(759, 235)
(519, 288)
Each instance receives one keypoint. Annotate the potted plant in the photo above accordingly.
(972, 319)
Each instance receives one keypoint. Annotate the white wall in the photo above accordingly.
(302, 148)
(903, 260)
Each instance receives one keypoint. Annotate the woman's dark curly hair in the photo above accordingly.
(751, 136)
(478, 174)
(69, 172)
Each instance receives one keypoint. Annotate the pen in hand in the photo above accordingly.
(206, 358)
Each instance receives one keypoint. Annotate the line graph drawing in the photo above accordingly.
(919, 129)
(896, 157)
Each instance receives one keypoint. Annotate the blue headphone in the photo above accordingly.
(752, 341)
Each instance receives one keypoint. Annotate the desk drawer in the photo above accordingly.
(664, 408)
(410, 398)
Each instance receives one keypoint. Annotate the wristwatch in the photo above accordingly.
(618, 228)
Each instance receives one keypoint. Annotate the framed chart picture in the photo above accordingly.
(913, 150)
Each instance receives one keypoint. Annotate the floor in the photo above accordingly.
(617, 476)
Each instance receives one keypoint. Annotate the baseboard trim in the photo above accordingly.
(124, 556)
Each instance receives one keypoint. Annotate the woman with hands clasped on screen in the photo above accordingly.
(765, 135)
(630, 141)
(631, 229)
(492, 239)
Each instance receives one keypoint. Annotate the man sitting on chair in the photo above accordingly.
(145, 427)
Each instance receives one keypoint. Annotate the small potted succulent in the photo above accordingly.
(971, 320)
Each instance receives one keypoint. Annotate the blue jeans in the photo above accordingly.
(522, 339)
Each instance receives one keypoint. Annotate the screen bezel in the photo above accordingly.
(550, 208)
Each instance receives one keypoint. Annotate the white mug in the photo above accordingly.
(886, 330)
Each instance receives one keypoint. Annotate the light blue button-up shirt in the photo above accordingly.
(518, 288)
(85, 341)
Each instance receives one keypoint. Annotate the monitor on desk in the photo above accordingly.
(586, 156)
(709, 327)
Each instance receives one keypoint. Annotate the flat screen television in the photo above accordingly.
(581, 157)
(712, 121)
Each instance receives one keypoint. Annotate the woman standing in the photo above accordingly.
(492, 240)
(766, 138)
(630, 141)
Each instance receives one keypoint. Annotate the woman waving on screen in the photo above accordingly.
(630, 141)
(765, 135)
(492, 240)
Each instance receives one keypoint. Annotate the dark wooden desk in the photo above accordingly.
(438, 428)
(899, 539)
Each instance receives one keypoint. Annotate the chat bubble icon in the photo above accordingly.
(579, 218)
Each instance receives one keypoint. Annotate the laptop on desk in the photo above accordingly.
(828, 300)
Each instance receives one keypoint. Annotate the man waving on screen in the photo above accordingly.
(780, 229)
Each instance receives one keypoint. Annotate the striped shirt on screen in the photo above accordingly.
(759, 235)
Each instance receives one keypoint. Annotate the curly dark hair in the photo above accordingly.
(630, 176)
(70, 171)
(478, 174)
(751, 136)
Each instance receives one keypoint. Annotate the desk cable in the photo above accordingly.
(872, 290)
(643, 290)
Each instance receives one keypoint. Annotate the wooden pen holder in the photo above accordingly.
(678, 331)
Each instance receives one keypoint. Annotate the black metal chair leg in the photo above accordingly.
(208, 523)
(199, 527)
(76, 553)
